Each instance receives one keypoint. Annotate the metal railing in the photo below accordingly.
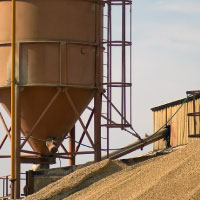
(5, 185)
(5, 191)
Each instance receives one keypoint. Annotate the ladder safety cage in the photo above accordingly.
(117, 66)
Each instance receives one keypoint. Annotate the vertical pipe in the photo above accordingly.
(13, 41)
(71, 135)
(17, 141)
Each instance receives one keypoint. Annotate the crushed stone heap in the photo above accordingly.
(173, 175)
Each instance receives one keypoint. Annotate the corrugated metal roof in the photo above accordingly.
(173, 103)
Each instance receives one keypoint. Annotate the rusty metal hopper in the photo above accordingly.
(56, 64)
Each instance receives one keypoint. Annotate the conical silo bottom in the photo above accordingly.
(59, 117)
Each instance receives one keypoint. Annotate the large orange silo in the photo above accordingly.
(58, 64)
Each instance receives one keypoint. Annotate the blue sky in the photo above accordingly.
(166, 54)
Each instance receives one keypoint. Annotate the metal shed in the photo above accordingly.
(184, 124)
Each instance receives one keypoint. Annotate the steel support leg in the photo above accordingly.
(17, 142)
(98, 95)
(97, 127)
(72, 147)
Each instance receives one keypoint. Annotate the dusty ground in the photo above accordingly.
(173, 176)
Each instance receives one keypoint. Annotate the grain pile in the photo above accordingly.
(175, 175)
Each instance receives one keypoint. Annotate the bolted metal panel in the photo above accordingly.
(39, 63)
(49, 20)
(5, 51)
(78, 61)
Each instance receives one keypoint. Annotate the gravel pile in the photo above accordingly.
(77, 180)
(175, 175)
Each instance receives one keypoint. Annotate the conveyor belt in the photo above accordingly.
(163, 133)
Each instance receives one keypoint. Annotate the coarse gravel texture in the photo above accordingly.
(172, 176)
